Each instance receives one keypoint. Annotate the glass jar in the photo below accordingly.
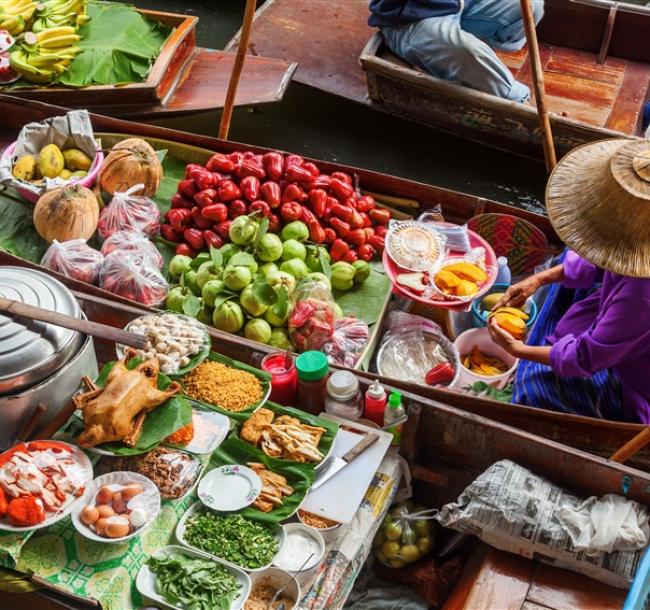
(344, 396)
(313, 371)
(284, 379)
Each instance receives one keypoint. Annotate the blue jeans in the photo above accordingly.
(459, 47)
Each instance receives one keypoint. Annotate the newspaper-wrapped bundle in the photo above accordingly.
(512, 509)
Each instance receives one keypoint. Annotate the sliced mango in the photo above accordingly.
(467, 271)
(466, 288)
(477, 362)
(447, 280)
(514, 311)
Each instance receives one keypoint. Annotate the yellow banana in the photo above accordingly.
(20, 63)
(14, 25)
(60, 41)
(42, 61)
(55, 33)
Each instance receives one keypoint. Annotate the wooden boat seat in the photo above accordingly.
(496, 579)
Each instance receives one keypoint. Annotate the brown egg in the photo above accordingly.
(131, 490)
(100, 525)
(119, 504)
(105, 511)
(104, 495)
(116, 529)
(89, 515)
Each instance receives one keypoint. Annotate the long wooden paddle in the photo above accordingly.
(632, 447)
(538, 84)
(244, 39)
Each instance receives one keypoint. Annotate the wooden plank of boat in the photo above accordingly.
(593, 435)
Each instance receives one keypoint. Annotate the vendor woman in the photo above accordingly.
(589, 351)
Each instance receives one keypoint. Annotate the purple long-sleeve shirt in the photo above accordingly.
(610, 329)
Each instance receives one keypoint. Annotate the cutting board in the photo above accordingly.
(339, 498)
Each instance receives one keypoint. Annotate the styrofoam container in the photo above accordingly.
(277, 578)
(481, 338)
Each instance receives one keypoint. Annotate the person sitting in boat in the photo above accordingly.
(589, 350)
(454, 39)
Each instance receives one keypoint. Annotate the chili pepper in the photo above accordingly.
(341, 211)
(356, 222)
(250, 167)
(365, 203)
(380, 216)
(350, 256)
(217, 212)
(205, 198)
(169, 233)
(377, 242)
(441, 373)
(228, 191)
(367, 223)
(306, 215)
(212, 240)
(330, 235)
(222, 228)
(316, 232)
(357, 237)
(190, 167)
(342, 190)
(341, 227)
(221, 163)
(186, 250)
(274, 224)
(261, 207)
(187, 188)
(338, 249)
(199, 221)
(291, 211)
(202, 178)
(273, 164)
(381, 230)
(318, 200)
(237, 208)
(250, 187)
(343, 177)
(369, 231)
(194, 238)
(296, 173)
(180, 201)
(271, 193)
(292, 193)
(319, 182)
(178, 218)
(293, 160)
(366, 252)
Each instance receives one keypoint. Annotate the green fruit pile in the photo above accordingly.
(245, 287)
(403, 538)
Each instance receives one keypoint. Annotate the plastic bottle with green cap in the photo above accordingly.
(394, 413)
(313, 372)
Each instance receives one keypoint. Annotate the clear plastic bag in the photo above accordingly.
(74, 259)
(133, 276)
(129, 212)
(348, 341)
(311, 323)
(406, 535)
(133, 241)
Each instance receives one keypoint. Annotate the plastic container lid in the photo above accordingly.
(376, 391)
(395, 400)
(342, 385)
(312, 366)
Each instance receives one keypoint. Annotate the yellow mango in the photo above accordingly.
(465, 289)
(65, 174)
(490, 300)
(76, 159)
(467, 271)
(446, 280)
(513, 311)
(50, 161)
(25, 168)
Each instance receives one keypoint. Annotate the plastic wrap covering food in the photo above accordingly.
(311, 323)
(133, 276)
(412, 347)
(414, 245)
(133, 241)
(74, 259)
(348, 341)
(129, 212)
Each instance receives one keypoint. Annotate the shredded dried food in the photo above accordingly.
(261, 596)
(316, 521)
(274, 488)
(223, 386)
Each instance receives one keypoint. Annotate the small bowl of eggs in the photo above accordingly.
(117, 507)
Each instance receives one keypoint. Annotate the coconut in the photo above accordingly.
(130, 162)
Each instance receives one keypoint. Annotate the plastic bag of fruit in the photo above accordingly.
(132, 241)
(133, 276)
(129, 212)
(74, 259)
(406, 535)
(311, 323)
(348, 341)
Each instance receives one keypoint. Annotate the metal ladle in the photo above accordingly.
(293, 577)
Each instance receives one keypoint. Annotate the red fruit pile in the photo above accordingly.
(283, 188)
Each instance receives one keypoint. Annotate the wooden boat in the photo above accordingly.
(595, 436)
(597, 73)
(184, 79)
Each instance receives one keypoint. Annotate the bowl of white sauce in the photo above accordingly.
(301, 543)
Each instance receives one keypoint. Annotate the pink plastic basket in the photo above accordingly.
(88, 181)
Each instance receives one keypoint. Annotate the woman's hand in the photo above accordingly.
(517, 294)
(504, 339)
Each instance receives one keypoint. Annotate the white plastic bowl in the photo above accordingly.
(329, 534)
(481, 338)
(277, 578)
(293, 529)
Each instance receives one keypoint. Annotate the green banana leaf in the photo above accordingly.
(119, 46)
(299, 476)
(366, 301)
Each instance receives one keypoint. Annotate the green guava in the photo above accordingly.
(176, 297)
(269, 248)
(314, 256)
(190, 281)
(243, 230)
(342, 276)
(244, 259)
(280, 339)
(228, 317)
(295, 230)
(320, 277)
(272, 317)
(361, 271)
(258, 330)
(211, 290)
(295, 267)
(293, 249)
(207, 271)
(237, 278)
(281, 278)
(251, 303)
(179, 265)
(267, 268)
(228, 250)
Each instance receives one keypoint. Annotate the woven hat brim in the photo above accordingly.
(594, 215)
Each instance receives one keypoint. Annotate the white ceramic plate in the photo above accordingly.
(149, 499)
(229, 488)
(197, 506)
(146, 579)
(86, 475)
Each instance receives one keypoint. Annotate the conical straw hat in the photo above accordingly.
(598, 201)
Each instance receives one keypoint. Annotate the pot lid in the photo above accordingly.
(31, 351)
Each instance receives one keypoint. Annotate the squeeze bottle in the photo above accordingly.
(375, 403)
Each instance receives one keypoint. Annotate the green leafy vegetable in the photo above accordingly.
(232, 537)
(192, 583)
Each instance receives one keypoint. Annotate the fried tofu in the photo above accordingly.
(252, 429)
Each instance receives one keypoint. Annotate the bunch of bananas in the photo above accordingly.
(42, 57)
(16, 15)
(57, 13)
